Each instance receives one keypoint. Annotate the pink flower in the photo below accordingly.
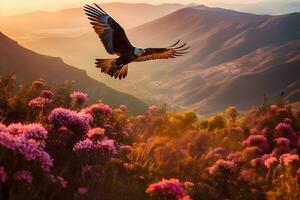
(245, 175)
(216, 153)
(235, 157)
(222, 167)
(288, 159)
(259, 162)
(288, 121)
(79, 98)
(298, 175)
(140, 117)
(269, 162)
(39, 102)
(62, 182)
(86, 169)
(82, 190)
(168, 189)
(274, 108)
(3, 174)
(97, 133)
(125, 148)
(23, 175)
(188, 184)
(70, 119)
(98, 109)
(123, 108)
(153, 110)
(258, 141)
(238, 130)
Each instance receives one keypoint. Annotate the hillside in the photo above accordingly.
(29, 66)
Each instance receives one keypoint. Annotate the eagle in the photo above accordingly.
(115, 41)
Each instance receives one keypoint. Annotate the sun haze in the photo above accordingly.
(21, 6)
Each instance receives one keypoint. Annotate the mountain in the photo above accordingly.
(230, 51)
(272, 7)
(235, 57)
(29, 66)
(73, 21)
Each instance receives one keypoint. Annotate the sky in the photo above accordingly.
(11, 7)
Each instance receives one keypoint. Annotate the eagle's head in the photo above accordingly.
(138, 51)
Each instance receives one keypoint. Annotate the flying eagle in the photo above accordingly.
(115, 41)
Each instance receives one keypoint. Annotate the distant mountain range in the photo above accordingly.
(272, 7)
(29, 66)
(235, 57)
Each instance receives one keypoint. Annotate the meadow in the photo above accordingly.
(55, 144)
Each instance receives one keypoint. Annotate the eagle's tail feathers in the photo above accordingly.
(108, 66)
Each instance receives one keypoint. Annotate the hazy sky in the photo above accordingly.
(9, 7)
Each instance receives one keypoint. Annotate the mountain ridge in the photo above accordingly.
(30, 65)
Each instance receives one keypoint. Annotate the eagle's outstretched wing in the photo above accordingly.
(163, 53)
(109, 31)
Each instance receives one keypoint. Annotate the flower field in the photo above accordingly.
(56, 145)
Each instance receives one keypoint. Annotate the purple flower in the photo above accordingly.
(23, 175)
(31, 131)
(108, 145)
(85, 145)
(30, 149)
(259, 141)
(285, 130)
(79, 98)
(47, 94)
(3, 174)
(282, 146)
(82, 190)
(39, 102)
(222, 167)
(35, 131)
(168, 189)
(64, 117)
